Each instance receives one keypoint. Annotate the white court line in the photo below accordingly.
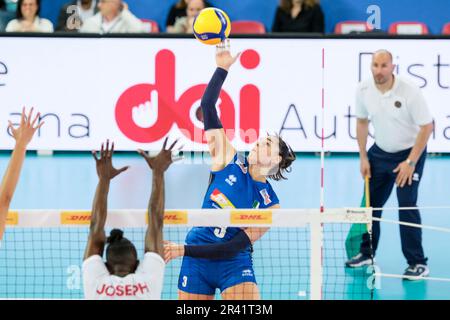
(413, 208)
(397, 276)
(415, 225)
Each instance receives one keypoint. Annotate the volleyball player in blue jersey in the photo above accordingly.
(220, 258)
(23, 135)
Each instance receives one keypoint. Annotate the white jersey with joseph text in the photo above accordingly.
(145, 284)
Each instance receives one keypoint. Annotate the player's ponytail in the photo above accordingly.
(115, 235)
(119, 248)
(287, 157)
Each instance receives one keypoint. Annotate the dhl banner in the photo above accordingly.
(12, 219)
(75, 217)
(190, 218)
(251, 217)
(138, 91)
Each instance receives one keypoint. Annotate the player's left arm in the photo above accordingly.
(159, 164)
(222, 250)
(23, 136)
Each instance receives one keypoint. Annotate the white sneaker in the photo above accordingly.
(416, 272)
(359, 260)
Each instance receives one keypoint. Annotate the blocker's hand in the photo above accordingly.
(163, 160)
(404, 174)
(29, 124)
(105, 169)
(224, 59)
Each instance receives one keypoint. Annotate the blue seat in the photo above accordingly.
(5, 17)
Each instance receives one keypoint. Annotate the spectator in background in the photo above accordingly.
(113, 17)
(179, 11)
(5, 16)
(75, 13)
(184, 24)
(27, 18)
(299, 16)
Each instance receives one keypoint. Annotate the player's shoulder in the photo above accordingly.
(267, 195)
(153, 256)
(152, 263)
(94, 260)
(239, 163)
(269, 187)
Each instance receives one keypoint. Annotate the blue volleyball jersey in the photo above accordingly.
(232, 187)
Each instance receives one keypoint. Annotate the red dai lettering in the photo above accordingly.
(145, 113)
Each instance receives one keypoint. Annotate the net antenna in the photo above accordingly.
(317, 229)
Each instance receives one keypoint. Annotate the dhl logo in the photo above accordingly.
(12, 219)
(251, 217)
(173, 217)
(75, 217)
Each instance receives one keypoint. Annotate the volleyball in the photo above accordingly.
(211, 26)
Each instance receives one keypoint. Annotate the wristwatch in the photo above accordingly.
(410, 163)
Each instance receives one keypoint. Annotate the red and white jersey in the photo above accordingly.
(145, 284)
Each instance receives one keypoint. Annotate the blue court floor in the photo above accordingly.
(68, 181)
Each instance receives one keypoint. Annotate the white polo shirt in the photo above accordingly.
(396, 115)
(145, 284)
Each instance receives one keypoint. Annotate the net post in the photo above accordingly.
(316, 269)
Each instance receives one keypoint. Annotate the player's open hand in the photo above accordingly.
(163, 160)
(105, 169)
(172, 251)
(25, 132)
(224, 59)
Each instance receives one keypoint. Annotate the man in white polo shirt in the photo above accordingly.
(403, 125)
(29, 124)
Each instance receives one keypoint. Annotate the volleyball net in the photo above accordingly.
(302, 256)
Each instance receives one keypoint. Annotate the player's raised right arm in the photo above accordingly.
(220, 148)
(106, 172)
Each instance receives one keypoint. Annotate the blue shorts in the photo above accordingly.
(204, 276)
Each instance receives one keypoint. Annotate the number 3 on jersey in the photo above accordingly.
(220, 232)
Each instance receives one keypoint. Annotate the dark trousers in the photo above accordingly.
(381, 184)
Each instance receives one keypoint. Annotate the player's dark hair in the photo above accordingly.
(119, 249)
(19, 9)
(287, 157)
